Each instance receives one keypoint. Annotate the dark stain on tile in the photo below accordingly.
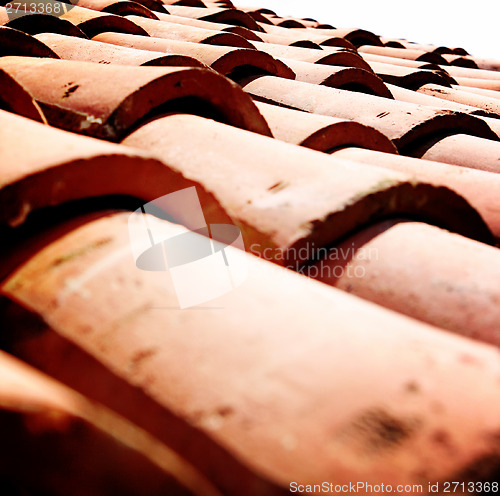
(70, 90)
(377, 430)
(279, 186)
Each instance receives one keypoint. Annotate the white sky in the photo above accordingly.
(470, 24)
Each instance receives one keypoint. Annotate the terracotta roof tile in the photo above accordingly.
(358, 37)
(157, 6)
(118, 7)
(257, 14)
(466, 151)
(480, 91)
(457, 94)
(437, 295)
(40, 23)
(277, 39)
(406, 124)
(459, 61)
(187, 3)
(212, 26)
(479, 188)
(410, 78)
(284, 22)
(37, 174)
(431, 99)
(226, 60)
(85, 97)
(300, 36)
(181, 32)
(487, 84)
(288, 130)
(321, 132)
(352, 78)
(329, 56)
(226, 16)
(473, 73)
(14, 42)
(344, 197)
(486, 64)
(405, 53)
(429, 47)
(15, 98)
(417, 64)
(46, 424)
(70, 48)
(92, 22)
(242, 429)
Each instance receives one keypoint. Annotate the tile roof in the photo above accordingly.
(354, 338)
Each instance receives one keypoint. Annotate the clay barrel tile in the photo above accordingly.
(479, 91)
(229, 61)
(406, 124)
(257, 10)
(219, 3)
(410, 78)
(465, 151)
(493, 123)
(58, 167)
(405, 53)
(307, 21)
(174, 31)
(156, 6)
(433, 100)
(120, 7)
(187, 3)
(15, 98)
(289, 197)
(283, 22)
(480, 188)
(15, 42)
(70, 48)
(254, 410)
(40, 23)
(321, 132)
(243, 32)
(305, 40)
(226, 16)
(458, 95)
(414, 64)
(331, 56)
(212, 26)
(358, 37)
(351, 78)
(92, 22)
(486, 64)
(487, 84)
(459, 61)
(277, 39)
(257, 14)
(421, 271)
(430, 48)
(473, 73)
(304, 35)
(85, 97)
(45, 424)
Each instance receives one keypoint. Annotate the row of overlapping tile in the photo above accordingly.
(313, 140)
